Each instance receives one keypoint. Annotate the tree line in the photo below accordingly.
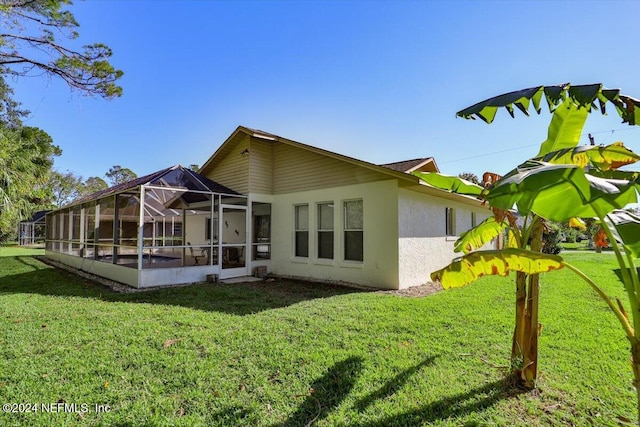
(37, 37)
(67, 187)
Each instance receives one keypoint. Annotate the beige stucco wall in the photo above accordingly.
(404, 230)
(380, 265)
(195, 229)
(423, 246)
(172, 276)
(133, 277)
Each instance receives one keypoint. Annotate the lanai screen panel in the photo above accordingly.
(170, 218)
(180, 213)
(89, 230)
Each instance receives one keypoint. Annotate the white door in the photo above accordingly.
(233, 256)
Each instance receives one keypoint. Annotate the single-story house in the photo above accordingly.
(266, 204)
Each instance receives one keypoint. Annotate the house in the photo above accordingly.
(263, 203)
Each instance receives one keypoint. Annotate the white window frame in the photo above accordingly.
(345, 230)
(297, 230)
(320, 230)
(450, 222)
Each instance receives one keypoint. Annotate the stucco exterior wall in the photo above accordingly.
(118, 273)
(175, 276)
(132, 276)
(195, 228)
(379, 267)
(423, 246)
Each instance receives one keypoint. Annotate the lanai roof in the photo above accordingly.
(175, 176)
(38, 216)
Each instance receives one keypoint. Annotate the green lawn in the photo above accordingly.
(580, 246)
(294, 354)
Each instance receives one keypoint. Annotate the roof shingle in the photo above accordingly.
(206, 182)
(407, 166)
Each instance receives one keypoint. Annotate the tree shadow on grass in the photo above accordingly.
(232, 416)
(393, 385)
(453, 407)
(326, 393)
(237, 298)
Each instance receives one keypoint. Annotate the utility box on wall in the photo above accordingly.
(260, 271)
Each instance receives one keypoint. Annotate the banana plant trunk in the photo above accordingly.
(518, 346)
(524, 350)
(529, 373)
(635, 364)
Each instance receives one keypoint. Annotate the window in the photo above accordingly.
(325, 230)
(353, 230)
(207, 229)
(302, 231)
(473, 219)
(450, 225)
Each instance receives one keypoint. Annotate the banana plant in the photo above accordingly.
(552, 185)
(526, 237)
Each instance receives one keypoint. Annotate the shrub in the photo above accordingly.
(551, 240)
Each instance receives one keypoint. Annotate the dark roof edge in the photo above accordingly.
(146, 179)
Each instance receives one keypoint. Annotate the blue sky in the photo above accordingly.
(379, 81)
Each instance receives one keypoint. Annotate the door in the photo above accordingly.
(233, 255)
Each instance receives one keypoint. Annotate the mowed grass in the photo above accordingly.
(578, 246)
(295, 354)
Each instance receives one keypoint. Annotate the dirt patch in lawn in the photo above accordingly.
(417, 291)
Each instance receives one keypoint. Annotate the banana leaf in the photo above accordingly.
(591, 96)
(577, 223)
(486, 110)
(625, 227)
(479, 235)
(453, 184)
(616, 174)
(468, 268)
(512, 240)
(565, 127)
(608, 157)
(559, 192)
(629, 109)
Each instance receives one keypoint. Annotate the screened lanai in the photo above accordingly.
(172, 226)
(32, 231)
